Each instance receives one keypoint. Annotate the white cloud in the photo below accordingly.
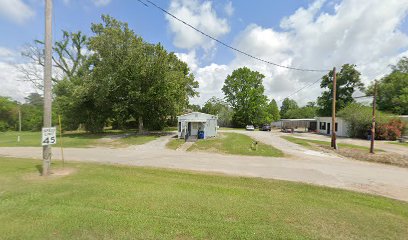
(229, 9)
(101, 3)
(11, 83)
(201, 16)
(362, 32)
(15, 10)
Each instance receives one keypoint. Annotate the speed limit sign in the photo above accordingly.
(49, 136)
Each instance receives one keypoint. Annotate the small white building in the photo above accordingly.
(324, 126)
(191, 123)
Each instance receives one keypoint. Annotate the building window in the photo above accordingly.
(179, 127)
(335, 127)
(322, 125)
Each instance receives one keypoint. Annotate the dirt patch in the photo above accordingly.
(55, 173)
(379, 157)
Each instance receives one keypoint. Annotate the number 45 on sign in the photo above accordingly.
(49, 136)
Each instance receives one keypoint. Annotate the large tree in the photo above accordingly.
(217, 106)
(287, 105)
(125, 78)
(274, 110)
(244, 92)
(348, 81)
(68, 58)
(393, 89)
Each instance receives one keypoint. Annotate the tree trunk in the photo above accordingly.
(140, 124)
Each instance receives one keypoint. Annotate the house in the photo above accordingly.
(191, 123)
(324, 126)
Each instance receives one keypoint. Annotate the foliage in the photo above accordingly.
(392, 90)
(244, 92)
(303, 112)
(359, 120)
(8, 114)
(287, 105)
(348, 81)
(124, 78)
(390, 130)
(217, 106)
(273, 109)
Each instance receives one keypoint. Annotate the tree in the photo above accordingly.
(68, 58)
(274, 110)
(287, 104)
(348, 80)
(217, 106)
(303, 112)
(34, 99)
(392, 90)
(8, 114)
(244, 92)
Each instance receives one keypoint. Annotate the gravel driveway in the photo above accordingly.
(301, 165)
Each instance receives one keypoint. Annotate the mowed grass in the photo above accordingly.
(75, 140)
(310, 143)
(118, 202)
(175, 143)
(405, 144)
(235, 143)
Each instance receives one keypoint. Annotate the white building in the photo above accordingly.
(324, 126)
(191, 123)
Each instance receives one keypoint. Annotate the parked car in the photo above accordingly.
(250, 128)
(265, 127)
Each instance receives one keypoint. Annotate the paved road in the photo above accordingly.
(300, 165)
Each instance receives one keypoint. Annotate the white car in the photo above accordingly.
(250, 128)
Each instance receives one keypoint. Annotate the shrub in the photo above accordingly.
(359, 119)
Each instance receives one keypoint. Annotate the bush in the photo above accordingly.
(390, 130)
(359, 119)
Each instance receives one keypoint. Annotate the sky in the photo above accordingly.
(312, 34)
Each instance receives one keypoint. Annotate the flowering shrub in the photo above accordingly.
(391, 130)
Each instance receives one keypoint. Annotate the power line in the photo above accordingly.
(228, 46)
(300, 89)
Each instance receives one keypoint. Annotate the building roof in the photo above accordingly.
(196, 116)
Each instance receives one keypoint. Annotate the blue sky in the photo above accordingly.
(302, 33)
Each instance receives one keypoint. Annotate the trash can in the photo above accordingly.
(201, 135)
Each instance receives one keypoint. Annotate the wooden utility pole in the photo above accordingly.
(333, 135)
(373, 124)
(47, 84)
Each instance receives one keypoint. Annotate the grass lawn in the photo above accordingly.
(76, 140)
(175, 143)
(229, 128)
(405, 144)
(235, 143)
(309, 143)
(118, 202)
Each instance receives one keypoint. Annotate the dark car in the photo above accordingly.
(265, 127)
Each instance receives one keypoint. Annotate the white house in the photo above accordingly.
(324, 126)
(191, 123)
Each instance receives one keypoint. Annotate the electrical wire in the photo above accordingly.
(300, 89)
(228, 46)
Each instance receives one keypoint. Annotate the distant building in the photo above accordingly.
(307, 124)
(324, 126)
(190, 124)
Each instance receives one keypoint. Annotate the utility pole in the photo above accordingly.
(333, 135)
(47, 84)
(373, 124)
(19, 124)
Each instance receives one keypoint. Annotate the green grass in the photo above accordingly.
(405, 144)
(229, 128)
(74, 140)
(175, 143)
(118, 202)
(308, 143)
(235, 143)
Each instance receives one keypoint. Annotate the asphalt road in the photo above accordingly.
(300, 164)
